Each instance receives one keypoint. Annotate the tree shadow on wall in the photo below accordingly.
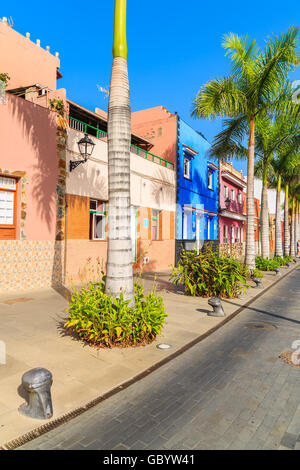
(38, 127)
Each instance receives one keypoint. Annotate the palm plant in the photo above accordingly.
(285, 169)
(273, 134)
(249, 92)
(119, 276)
(295, 196)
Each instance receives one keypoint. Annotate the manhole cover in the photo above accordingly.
(260, 325)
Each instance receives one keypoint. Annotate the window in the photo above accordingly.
(8, 189)
(210, 180)
(232, 233)
(226, 191)
(237, 235)
(208, 227)
(97, 220)
(186, 168)
(225, 234)
(154, 224)
(233, 195)
(240, 198)
(185, 226)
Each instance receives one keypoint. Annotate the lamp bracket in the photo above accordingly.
(75, 164)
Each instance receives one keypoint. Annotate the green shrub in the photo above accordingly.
(269, 264)
(107, 322)
(206, 275)
(256, 273)
(283, 260)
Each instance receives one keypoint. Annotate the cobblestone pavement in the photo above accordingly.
(231, 391)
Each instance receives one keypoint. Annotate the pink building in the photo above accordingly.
(231, 209)
(31, 168)
(53, 216)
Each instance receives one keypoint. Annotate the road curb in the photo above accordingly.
(39, 431)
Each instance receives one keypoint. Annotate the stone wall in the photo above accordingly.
(234, 250)
(27, 264)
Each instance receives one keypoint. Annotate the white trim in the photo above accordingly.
(233, 179)
(232, 215)
(8, 183)
(189, 150)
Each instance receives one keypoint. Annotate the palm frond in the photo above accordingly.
(243, 55)
(280, 56)
(228, 143)
(219, 98)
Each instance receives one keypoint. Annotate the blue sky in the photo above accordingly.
(174, 46)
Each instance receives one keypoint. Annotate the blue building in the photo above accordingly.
(197, 177)
(197, 190)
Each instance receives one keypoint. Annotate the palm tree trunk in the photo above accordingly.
(292, 247)
(286, 222)
(119, 276)
(296, 226)
(250, 243)
(265, 240)
(278, 231)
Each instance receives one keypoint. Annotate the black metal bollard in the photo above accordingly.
(277, 271)
(216, 304)
(258, 282)
(37, 382)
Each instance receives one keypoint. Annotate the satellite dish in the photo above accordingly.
(103, 90)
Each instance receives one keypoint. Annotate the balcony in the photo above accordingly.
(81, 126)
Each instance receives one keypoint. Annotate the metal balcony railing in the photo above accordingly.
(102, 135)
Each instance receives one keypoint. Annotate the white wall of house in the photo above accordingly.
(152, 185)
(271, 195)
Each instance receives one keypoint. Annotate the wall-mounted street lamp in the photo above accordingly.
(86, 147)
(227, 201)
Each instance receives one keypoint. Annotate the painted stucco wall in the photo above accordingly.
(25, 62)
(230, 223)
(152, 185)
(158, 126)
(233, 206)
(28, 144)
(194, 192)
(271, 196)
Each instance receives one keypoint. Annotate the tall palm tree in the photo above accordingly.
(288, 178)
(295, 195)
(119, 276)
(249, 92)
(285, 168)
(272, 134)
(293, 238)
(286, 244)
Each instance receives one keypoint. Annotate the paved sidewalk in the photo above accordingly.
(31, 328)
(231, 391)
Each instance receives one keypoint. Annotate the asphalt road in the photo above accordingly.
(231, 391)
